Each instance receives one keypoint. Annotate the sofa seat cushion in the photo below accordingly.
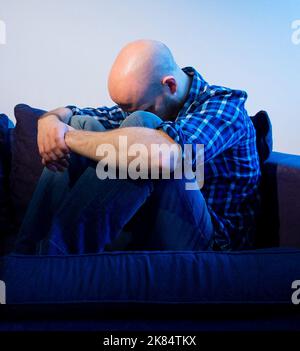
(262, 276)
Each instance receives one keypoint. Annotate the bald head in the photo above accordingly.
(137, 72)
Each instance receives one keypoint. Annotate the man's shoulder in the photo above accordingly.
(221, 92)
(215, 97)
(206, 91)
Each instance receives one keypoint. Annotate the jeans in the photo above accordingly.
(74, 212)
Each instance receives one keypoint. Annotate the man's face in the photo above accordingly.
(160, 104)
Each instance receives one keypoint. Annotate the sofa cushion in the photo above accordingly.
(262, 276)
(26, 164)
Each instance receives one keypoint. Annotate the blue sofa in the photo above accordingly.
(139, 290)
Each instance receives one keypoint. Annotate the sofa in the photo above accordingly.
(150, 290)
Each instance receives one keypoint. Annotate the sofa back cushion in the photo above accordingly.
(26, 166)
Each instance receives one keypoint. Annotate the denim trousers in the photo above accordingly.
(75, 212)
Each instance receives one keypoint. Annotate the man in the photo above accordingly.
(73, 211)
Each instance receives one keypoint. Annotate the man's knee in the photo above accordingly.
(86, 123)
(141, 119)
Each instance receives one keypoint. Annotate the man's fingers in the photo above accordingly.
(64, 162)
(59, 147)
(46, 147)
(45, 157)
(59, 166)
(41, 144)
(51, 167)
(63, 147)
(50, 156)
(60, 151)
(54, 166)
(51, 143)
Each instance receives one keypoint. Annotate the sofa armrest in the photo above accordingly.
(286, 169)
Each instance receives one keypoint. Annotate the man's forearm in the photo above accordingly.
(86, 143)
(62, 113)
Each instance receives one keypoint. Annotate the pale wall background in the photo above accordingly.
(59, 52)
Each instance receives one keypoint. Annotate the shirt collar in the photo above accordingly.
(198, 87)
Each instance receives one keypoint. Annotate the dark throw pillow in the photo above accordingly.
(26, 166)
(264, 139)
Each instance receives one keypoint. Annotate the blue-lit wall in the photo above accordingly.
(59, 52)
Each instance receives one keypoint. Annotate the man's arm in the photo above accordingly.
(53, 125)
(63, 114)
(86, 143)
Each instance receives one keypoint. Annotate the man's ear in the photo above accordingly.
(170, 81)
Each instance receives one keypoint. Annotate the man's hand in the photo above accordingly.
(51, 143)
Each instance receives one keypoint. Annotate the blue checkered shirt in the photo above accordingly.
(216, 117)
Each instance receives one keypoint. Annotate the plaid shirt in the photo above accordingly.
(216, 117)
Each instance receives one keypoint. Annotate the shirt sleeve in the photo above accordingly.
(218, 124)
(110, 117)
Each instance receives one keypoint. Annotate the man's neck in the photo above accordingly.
(186, 83)
(187, 87)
